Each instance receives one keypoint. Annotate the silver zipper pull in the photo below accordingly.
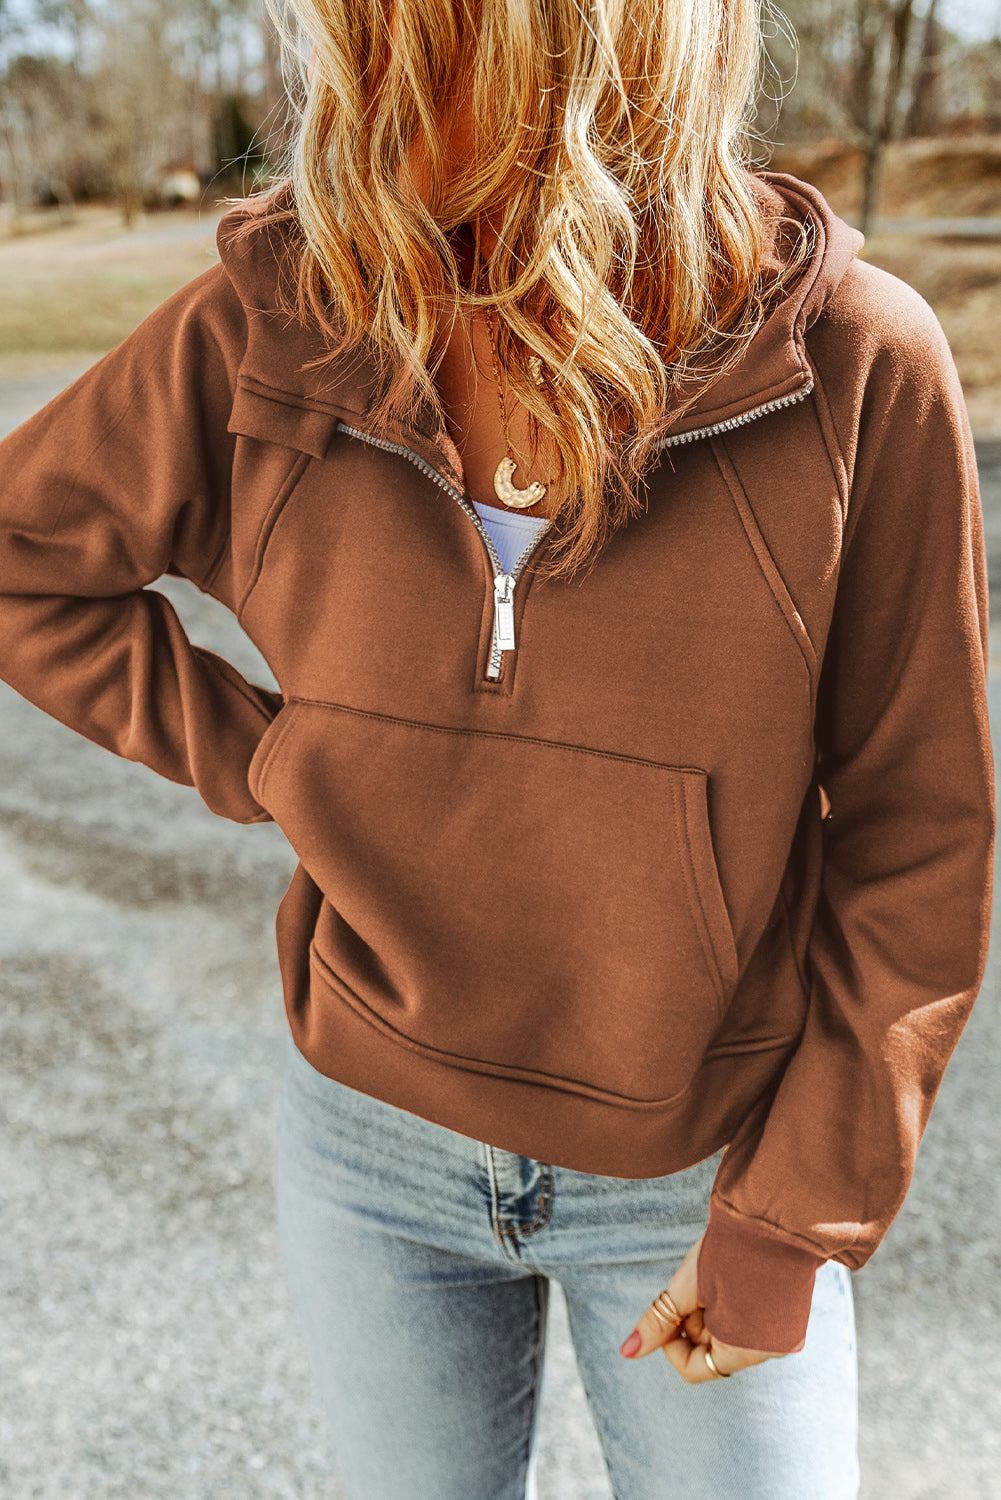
(504, 611)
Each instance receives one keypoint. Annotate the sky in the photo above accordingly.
(973, 20)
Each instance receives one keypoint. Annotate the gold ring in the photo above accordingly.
(723, 1374)
(665, 1312)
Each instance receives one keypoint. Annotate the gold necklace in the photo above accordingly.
(506, 491)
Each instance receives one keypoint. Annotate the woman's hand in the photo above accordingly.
(686, 1343)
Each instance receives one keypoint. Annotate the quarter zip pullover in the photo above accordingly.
(740, 892)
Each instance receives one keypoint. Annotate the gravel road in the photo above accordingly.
(148, 1348)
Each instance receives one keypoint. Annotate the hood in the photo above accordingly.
(774, 366)
(775, 363)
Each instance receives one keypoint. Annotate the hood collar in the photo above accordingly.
(774, 365)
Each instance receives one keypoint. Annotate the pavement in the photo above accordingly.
(149, 1349)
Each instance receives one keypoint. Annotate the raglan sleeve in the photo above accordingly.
(124, 477)
(898, 946)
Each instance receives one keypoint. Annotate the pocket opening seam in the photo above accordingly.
(697, 905)
(494, 734)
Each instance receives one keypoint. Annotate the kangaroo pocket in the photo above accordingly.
(511, 905)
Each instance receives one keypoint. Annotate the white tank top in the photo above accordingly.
(509, 531)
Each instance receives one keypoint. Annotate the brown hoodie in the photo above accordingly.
(577, 897)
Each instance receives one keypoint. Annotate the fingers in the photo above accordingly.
(665, 1318)
(674, 1322)
(691, 1364)
(683, 1285)
(694, 1327)
(689, 1358)
(656, 1327)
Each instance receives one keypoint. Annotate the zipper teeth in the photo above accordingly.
(523, 559)
(439, 479)
(740, 419)
(494, 666)
(682, 437)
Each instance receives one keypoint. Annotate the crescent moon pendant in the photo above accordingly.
(509, 493)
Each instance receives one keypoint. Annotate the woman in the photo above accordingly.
(613, 534)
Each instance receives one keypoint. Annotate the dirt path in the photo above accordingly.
(99, 233)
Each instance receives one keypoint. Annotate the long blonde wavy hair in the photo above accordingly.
(612, 152)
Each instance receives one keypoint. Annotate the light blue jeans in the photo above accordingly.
(419, 1263)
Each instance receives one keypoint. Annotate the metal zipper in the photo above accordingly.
(503, 636)
(504, 583)
(740, 419)
(503, 624)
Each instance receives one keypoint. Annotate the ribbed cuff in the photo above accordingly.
(756, 1289)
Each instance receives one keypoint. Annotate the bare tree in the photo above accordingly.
(220, 32)
(864, 67)
(882, 33)
(139, 95)
(147, 85)
(13, 129)
(49, 107)
(274, 101)
(985, 81)
(925, 112)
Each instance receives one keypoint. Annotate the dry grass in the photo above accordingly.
(85, 310)
(74, 290)
(950, 178)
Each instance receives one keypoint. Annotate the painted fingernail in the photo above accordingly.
(631, 1344)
